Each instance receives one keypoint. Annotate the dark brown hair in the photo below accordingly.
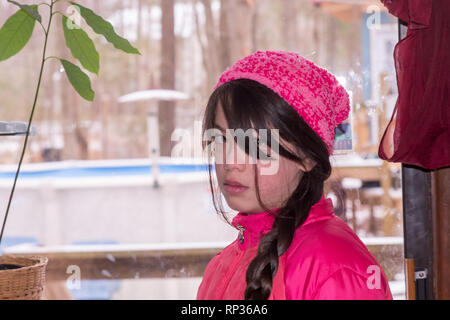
(249, 104)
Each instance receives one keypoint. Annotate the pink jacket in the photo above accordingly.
(326, 260)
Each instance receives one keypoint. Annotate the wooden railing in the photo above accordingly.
(125, 261)
(181, 260)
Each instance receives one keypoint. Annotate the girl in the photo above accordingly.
(290, 244)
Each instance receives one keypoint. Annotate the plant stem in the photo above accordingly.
(30, 120)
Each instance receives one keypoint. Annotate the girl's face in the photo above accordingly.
(274, 188)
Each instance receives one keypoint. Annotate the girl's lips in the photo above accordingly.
(234, 189)
(233, 183)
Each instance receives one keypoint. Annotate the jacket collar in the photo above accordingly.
(253, 226)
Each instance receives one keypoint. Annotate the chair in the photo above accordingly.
(372, 197)
(351, 188)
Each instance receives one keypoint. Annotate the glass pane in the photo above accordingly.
(116, 190)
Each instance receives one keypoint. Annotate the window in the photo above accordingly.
(104, 184)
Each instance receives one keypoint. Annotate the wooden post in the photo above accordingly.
(410, 279)
(440, 195)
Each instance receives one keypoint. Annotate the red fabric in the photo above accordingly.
(326, 260)
(419, 130)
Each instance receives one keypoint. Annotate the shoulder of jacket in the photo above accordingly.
(322, 234)
(233, 246)
(340, 279)
(218, 258)
(330, 243)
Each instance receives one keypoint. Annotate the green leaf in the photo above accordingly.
(81, 46)
(31, 10)
(105, 28)
(15, 33)
(79, 80)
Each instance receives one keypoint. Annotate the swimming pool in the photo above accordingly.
(103, 168)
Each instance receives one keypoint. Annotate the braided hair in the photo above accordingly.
(250, 104)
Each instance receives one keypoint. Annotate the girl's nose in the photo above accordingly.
(235, 157)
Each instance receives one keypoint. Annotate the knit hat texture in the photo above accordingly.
(311, 90)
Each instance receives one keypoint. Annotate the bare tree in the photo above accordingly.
(235, 30)
(331, 43)
(224, 35)
(138, 64)
(210, 43)
(167, 76)
(289, 24)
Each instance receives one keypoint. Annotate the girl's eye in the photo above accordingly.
(262, 149)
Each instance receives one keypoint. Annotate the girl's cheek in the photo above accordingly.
(268, 185)
(219, 171)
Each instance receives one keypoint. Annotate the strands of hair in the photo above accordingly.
(249, 104)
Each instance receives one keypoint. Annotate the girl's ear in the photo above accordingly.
(308, 165)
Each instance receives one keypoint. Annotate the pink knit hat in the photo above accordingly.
(312, 91)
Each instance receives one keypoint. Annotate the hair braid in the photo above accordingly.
(264, 108)
(262, 269)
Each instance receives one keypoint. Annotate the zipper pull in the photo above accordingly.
(241, 233)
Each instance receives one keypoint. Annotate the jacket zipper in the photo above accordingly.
(241, 233)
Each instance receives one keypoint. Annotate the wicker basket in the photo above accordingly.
(25, 283)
